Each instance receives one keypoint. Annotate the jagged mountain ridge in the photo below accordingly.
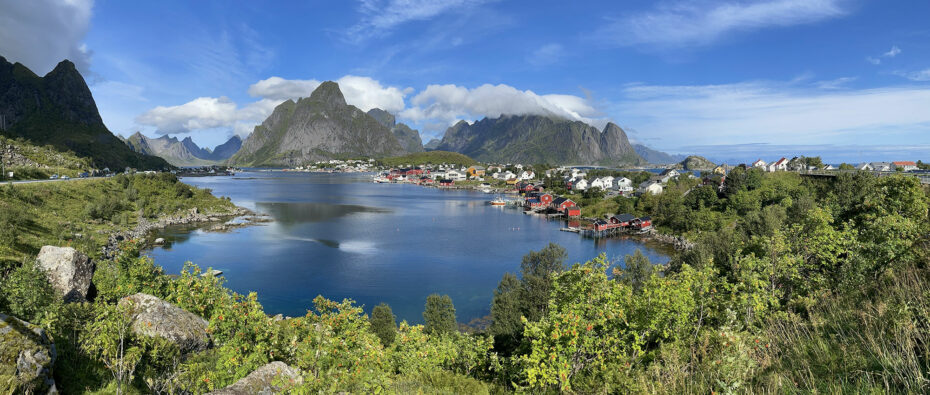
(320, 127)
(407, 137)
(59, 110)
(540, 139)
(183, 152)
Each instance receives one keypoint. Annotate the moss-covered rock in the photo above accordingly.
(154, 317)
(27, 355)
(68, 270)
(272, 378)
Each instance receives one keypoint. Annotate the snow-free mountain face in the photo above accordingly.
(184, 152)
(540, 139)
(59, 110)
(320, 127)
(407, 137)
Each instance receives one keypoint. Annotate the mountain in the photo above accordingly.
(184, 152)
(695, 162)
(432, 144)
(657, 157)
(407, 137)
(540, 139)
(59, 110)
(228, 149)
(320, 127)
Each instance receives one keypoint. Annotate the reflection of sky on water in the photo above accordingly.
(344, 237)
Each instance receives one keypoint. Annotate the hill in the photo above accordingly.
(183, 152)
(429, 157)
(320, 127)
(29, 162)
(540, 139)
(695, 162)
(59, 110)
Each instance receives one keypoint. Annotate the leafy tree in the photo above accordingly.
(637, 270)
(26, 294)
(383, 324)
(847, 166)
(110, 338)
(536, 268)
(507, 313)
(439, 315)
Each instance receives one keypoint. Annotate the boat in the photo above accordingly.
(498, 201)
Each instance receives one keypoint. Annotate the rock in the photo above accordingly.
(26, 358)
(68, 270)
(261, 381)
(157, 318)
(159, 241)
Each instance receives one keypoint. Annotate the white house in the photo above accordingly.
(759, 164)
(653, 187)
(829, 167)
(455, 175)
(779, 165)
(670, 173)
(906, 165)
(603, 183)
(580, 184)
(526, 175)
(882, 166)
(865, 167)
(624, 182)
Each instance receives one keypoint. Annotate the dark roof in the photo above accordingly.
(445, 180)
(559, 200)
(625, 217)
(646, 219)
(600, 222)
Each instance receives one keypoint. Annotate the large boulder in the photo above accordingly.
(26, 358)
(157, 318)
(272, 378)
(68, 270)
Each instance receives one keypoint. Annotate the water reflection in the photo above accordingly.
(297, 213)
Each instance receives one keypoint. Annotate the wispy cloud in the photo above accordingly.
(702, 23)
(546, 54)
(894, 51)
(381, 16)
(776, 112)
(921, 75)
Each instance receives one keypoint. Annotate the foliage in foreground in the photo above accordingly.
(811, 287)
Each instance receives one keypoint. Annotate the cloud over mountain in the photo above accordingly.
(40, 33)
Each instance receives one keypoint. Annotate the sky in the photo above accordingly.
(732, 80)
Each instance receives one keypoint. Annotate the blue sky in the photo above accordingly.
(733, 80)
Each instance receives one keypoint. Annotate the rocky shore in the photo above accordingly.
(679, 242)
(192, 216)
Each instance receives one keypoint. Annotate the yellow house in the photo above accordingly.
(722, 169)
(476, 171)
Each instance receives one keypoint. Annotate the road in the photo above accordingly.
(55, 180)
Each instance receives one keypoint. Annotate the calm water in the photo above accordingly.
(341, 236)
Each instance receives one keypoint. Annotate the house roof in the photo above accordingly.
(624, 217)
(905, 163)
(560, 200)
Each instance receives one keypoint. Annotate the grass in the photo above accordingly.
(83, 213)
(47, 160)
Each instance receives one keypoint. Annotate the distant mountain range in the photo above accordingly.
(59, 110)
(540, 139)
(432, 144)
(320, 127)
(183, 152)
(657, 157)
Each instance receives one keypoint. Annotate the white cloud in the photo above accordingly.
(451, 102)
(872, 60)
(921, 75)
(363, 92)
(200, 113)
(546, 54)
(282, 89)
(41, 33)
(702, 23)
(776, 113)
(894, 51)
(381, 16)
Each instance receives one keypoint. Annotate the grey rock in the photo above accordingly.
(262, 380)
(68, 270)
(154, 317)
(159, 241)
(27, 356)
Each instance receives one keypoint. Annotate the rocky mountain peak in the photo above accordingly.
(328, 92)
(383, 117)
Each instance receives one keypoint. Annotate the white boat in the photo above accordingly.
(498, 201)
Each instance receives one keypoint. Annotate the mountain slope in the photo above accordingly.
(60, 111)
(540, 139)
(432, 144)
(656, 157)
(695, 162)
(320, 127)
(407, 137)
(184, 152)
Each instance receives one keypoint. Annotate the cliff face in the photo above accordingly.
(540, 139)
(407, 137)
(59, 110)
(319, 127)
